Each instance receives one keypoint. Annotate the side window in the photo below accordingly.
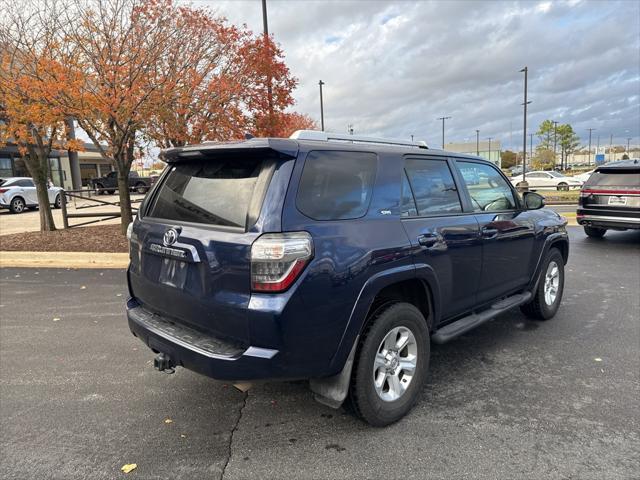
(24, 183)
(490, 192)
(336, 185)
(433, 187)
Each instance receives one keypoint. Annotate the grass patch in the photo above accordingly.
(552, 197)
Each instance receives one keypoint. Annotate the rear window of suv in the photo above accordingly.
(614, 179)
(220, 192)
(336, 185)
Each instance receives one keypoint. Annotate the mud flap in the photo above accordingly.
(332, 391)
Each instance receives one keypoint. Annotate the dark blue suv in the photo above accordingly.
(333, 258)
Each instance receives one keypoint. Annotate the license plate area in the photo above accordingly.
(615, 200)
(173, 272)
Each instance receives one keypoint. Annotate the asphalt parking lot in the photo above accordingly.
(513, 399)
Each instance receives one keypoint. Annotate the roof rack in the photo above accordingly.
(340, 137)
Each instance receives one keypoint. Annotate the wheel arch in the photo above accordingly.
(417, 285)
(557, 240)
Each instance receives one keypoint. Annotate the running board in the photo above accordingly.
(463, 325)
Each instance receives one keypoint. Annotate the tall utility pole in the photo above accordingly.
(443, 119)
(321, 83)
(628, 152)
(589, 160)
(611, 148)
(555, 141)
(478, 143)
(265, 26)
(489, 138)
(597, 147)
(530, 146)
(524, 132)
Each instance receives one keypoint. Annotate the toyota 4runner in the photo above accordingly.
(337, 259)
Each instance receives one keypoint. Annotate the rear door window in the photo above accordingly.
(212, 191)
(336, 185)
(433, 188)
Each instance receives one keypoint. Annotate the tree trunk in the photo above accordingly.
(125, 198)
(37, 164)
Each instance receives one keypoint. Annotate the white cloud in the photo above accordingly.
(393, 68)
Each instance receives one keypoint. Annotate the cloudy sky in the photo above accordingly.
(393, 68)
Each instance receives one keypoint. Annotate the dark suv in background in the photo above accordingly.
(333, 258)
(610, 199)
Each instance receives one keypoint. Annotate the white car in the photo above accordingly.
(19, 193)
(583, 177)
(550, 179)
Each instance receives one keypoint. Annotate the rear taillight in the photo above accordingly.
(2, 190)
(278, 259)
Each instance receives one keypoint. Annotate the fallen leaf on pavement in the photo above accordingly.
(168, 420)
(56, 319)
(83, 287)
(598, 359)
(129, 467)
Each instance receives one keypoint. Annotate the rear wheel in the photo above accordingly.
(594, 232)
(111, 192)
(141, 188)
(58, 202)
(548, 295)
(17, 205)
(99, 187)
(390, 365)
(563, 186)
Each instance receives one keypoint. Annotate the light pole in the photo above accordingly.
(443, 119)
(555, 141)
(597, 148)
(628, 152)
(589, 158)
(524, 133)
(489, 138)
(611, 148)
(265, 27)
(478, 143)
(321, 83)
(531, 147)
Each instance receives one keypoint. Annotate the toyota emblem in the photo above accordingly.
(170, 237)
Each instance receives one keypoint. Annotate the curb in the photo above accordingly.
(64, 260)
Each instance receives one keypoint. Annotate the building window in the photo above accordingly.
(56, 171)
(5, 167)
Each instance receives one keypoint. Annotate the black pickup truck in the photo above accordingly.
(109, 183)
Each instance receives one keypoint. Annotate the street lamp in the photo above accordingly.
(628, 152)
(265, 27)
(555, 142)
(524, 133)
(321, 83)
(443, 119)
(489, 138)
(478, 143)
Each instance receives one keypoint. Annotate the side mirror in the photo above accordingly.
(533, 201)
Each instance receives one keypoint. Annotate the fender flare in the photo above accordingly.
(365, 299)
(552, 240)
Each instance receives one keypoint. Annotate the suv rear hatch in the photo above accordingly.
(190, 250)
(613, 191)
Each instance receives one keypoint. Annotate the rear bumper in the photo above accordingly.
(608, 221)
(210, 356)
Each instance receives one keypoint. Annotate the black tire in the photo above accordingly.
(99, 187)
(17, 205)
(366, 402)
(594, 232)
(58, 202)
(141, 188)
(539, 308)
(563, 186)
(111, 192)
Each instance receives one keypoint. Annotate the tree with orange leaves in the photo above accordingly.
(30, 116)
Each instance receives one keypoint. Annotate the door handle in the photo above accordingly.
(489, 232)
(428, 239)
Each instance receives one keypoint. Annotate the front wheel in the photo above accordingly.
(390, 365)
(17, 205)
(141, 188)
(58, 202)
(548, 294)
(594, 232)
(563, 187)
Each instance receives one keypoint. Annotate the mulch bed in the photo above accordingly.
(103, 238)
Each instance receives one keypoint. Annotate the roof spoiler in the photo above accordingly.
(280, 146)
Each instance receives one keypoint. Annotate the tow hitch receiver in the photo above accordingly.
(163, 363)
